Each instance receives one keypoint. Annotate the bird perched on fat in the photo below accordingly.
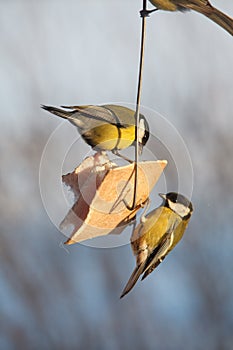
(158, 234)
(106, 127)
(202, 6)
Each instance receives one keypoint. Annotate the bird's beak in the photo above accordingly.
(162, 195)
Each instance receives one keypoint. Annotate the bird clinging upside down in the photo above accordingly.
(202, 6)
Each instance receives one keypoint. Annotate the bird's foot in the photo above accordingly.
(146, 13)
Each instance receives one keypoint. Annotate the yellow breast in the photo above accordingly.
(109, 137)
(149, 234)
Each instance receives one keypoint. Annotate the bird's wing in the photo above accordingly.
(159, 253)
(99, 113)
(190, 3)
(204, 7)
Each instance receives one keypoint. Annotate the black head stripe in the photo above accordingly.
(179, 198)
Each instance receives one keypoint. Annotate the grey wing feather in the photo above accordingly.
(98, 113)
(160, 252)
(84, 117)
(159, 256)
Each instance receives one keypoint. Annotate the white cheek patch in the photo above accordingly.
(179, 208)
(142, 130)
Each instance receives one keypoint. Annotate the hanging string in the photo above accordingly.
(144, 13)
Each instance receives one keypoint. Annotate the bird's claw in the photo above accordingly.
(146, 13)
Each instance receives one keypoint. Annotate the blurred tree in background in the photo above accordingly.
(81, 52)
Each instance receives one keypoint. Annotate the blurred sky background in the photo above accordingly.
(82, 52)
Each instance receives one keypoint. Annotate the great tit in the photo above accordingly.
(106, 127)
(158, 234)
(202, 6)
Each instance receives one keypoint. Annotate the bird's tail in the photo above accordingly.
(132, 280)
(215, 15)
(57, 111)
